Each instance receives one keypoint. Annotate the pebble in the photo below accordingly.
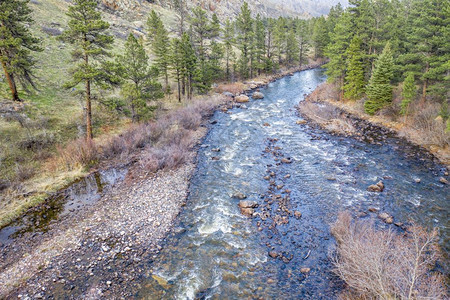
(305, 270)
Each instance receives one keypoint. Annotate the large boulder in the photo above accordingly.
(258, 95)
(241, 99)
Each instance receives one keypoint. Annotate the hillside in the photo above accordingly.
(230, 8)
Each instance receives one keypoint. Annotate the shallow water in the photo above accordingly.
(77, 195)
(215, 252)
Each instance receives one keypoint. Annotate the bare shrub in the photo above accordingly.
(24, 172)
(324, 91)
(431, 130)
(188, 117)
(169, 157)
(380, 264)
(80, 152)
(234, 88)
(37, 141)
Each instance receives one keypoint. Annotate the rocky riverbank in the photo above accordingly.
(338, 118)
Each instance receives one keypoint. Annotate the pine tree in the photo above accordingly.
(16, 45)
(189, 62)
(160, 45)
(429, 46)
(379, 89)
(339, 41)
(140, 85)
(87, 32)
(244, 26)
(302, 39)
(260, 44)
(228, 40)
(180, 8)
(320, 37)
(177, 64)
(201, 31)
(291, 47)
(354, 78)
(408, 94)
(279, 38)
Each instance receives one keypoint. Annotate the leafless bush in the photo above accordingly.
(188, 118)
(430, 129)
(169, 157)
(24, 172)
(37, 141)
(80, 152)
(380, 264)
(234, 88)
(324, 91)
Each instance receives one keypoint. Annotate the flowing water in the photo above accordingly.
(217, 253)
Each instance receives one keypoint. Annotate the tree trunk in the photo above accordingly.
(424, 88)
(167, 81)
(11, 83)
(179, 85)
(89, 134)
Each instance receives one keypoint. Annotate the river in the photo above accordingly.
(215, 252)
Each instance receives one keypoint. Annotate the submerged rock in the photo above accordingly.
(443, 180)
(239, 196)
(286, 160)
(258, 95)
(379, 187)
(248, 204)
(386, 218)
(297, 214)
(305, 270)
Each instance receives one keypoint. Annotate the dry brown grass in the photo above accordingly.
(327, 116)
(166, 140)
(382, 264)
(234, 88)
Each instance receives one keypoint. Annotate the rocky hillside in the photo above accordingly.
(229, 8)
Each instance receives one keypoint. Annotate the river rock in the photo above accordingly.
(247, 204)
(258, 95)
(386, 218)
(228, 94)
(286, 160)
(266, 124)
(242, 99)
(301, 122)
(443, 180)
(215, 149)
(247, 211)
(239, 196)
(305, 270)
(273, 254)
(297, 214)
(379, 187)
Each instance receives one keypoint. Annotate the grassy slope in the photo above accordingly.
(53, 115)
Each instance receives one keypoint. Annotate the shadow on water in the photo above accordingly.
(216, 252)
(81, 193)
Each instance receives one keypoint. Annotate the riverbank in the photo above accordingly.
(348, 118)
(99, 250)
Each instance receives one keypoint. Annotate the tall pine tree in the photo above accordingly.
(16, 45)
(408, 94)
(354, 78)
(160, 45)
(139, 79)
(379, 89)
(87, 32)
(244, 39)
